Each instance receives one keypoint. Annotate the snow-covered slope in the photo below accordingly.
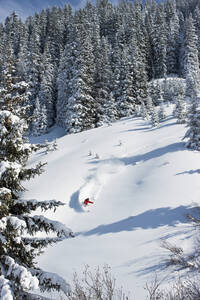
(142, 185)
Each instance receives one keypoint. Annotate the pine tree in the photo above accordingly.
(13, 30)
(126, 100)
(39, 124)
(180, 106)
(160, 43)
(173, 28)
(46, 91)
(55, 33)
(191, 61)
(19, 245)
(152, 112)
(193, 133)
(2, 45)
(76, 105)
(137, 74)
(143, 112)
(161, 112)
(33, 60)
(106, 112)
(197, 25)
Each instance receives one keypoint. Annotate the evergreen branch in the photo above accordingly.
(26, 206)
(41, 242)
(30, 296)
(27, 174)
(40, 223)
(51, 281)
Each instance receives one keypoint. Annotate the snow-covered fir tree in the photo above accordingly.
(39, 123)
(143, 112)
(152, 112)
(180, 106)
(46, 92)
(19, 247)
(191, 60)
(193, 133)
(161, 112)
(173, 37)
(76, 105)
(126, 100)
(160, 42)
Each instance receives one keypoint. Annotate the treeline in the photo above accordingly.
(94, 65)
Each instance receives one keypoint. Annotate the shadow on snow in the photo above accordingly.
(150, 219)
(74, 202)
(190, 172)
(149, 155)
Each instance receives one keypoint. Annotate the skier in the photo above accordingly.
(87, 201)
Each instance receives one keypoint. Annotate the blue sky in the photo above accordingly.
(25, 8)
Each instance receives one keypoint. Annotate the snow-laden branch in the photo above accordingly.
(16, 223)
(29, 296)
(49, 281)
(32, 204)
(5, 289)
(4, 194)
(41, 242)
(27, 174)
(6, 166)
(4, 191)
(40, 223)
(26, 280)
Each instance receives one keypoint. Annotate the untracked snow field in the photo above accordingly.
(143, 182)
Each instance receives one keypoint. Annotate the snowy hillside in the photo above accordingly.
(142, 185)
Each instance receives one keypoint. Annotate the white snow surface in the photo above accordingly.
(6, 291)
(143, 184)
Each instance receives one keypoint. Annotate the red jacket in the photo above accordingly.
(87, 201)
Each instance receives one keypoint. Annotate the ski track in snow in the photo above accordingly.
(101, 175)
(94, 183)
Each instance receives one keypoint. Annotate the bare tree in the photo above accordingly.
(97, 285)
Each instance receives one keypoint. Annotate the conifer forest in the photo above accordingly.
(96, 64)
(79, 70)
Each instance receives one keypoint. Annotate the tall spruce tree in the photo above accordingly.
(126, 101)
(19, 246)
(160, 43)
(193, 133)
(46, 92)
(39, 119)
(76, 105)
(180, 106)
(173, 42)
(191, 60)
(153, 115)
